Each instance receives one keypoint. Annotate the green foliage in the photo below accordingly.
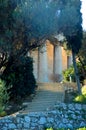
(4, 97)
(84, 90)
(81, 98)
(49, 129)
(70, 72)
(20, 77)
(2, 112)
(82, 54)
(69, 22)
(84, 128)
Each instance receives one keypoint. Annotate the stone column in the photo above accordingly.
(69, 61)
(28, 54)
(57, 63)
(42, 64)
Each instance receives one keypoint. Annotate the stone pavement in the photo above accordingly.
(47, 95)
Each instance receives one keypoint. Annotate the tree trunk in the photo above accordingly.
(76, 73)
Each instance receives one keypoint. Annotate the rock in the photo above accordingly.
(71, 107)
(65, 116)
(42, 120)
(19, 126)
(53, 112)
(34, 120)
(70, 126)
(65, 121)
(73, 116)
(78, 107)
(4, 128)
(18, 120)
(50, 120)
(27, 119)
(26, 125)
(33, 124)
(82, 124)
(84, 107)
(61, 125)
(12, 126)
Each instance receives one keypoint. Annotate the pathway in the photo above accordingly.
(47, 95)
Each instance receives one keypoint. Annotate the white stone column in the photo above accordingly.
(57, 63)
(28, 53)
(42, 64)
(69, 61)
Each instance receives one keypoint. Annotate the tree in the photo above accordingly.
(23, 26)
(82, 55)
(25, 23)
(70, 24)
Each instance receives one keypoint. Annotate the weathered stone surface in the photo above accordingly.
(26, 125)
(82, 124)
(12, 126)
(42, 120)
(19, 126)
(59, 116)
(70, 126)
(27, 119)
(50, 120)
(5, 128)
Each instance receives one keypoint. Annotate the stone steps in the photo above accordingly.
(47, 95)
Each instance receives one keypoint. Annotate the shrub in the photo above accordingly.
(70, 72)
(84, 82)
(81, 98)
(20, 77)
(49, 129)
(84, 128)
(4, 97)
(84, 90)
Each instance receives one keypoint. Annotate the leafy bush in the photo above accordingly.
(65, 129)
(70, 72)
(49, 129)
(56, 129)
(4, 97)
(84, 90)
(2, 112)
(20, 77)
(84, 81)
(82, 128)
(81, 98)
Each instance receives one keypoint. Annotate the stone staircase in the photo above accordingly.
(47, 95)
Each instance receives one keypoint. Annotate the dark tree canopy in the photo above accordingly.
(69, 22)
(24, 23)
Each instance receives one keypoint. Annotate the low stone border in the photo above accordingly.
(60, 116)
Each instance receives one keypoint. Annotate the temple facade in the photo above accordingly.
(49, 60)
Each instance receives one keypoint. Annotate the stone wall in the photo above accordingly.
(60, 116)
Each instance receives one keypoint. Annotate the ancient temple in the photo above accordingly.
(50, 59)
